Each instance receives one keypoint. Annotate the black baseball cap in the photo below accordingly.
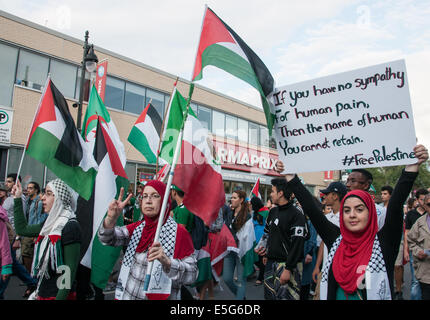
(337, 187)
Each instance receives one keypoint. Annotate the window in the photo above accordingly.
(86, 89)
(253, 133)
(204, 116)
(8, 58)
(193, 106)
(242, 132)
(134, 98)
(31, 170)
(272, 142)
(64, 77)
(264, 136)
(49, 176)
(32, 70)
(218, 123)
(157, 100)
(130, 170)
(231, 126)
(114, 95)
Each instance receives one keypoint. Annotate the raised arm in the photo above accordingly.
(392, 229)
(327, 230)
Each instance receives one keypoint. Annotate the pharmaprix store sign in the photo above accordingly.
(245, 159)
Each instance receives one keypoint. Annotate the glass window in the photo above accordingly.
(157, 100)
(264, 136)
(145, 173)
(31, 169)
(64, 77)
(204, 116)
(134, 98)
(272, 142)
(231, 126)
(114, 94)
(253, 133)
(218, 123)
(194, 107)
(130, 170)
(32, 70)
(242, 131)
(8, 58)
(50, 176)
(86, 91)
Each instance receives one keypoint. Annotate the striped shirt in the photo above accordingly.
(181, 272)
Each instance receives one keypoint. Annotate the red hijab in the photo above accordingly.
(148, 232)
(355, 249)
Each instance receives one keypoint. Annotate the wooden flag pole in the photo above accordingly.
(167, 192)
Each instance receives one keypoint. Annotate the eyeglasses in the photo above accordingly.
(154, 196)
(428, 204)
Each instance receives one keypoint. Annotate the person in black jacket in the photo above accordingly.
(287, 230)
(372, 279)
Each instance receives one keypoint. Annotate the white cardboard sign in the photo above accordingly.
(356, 119)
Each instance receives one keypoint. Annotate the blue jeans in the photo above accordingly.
(415, 284)
(18, 270)
(231, 261)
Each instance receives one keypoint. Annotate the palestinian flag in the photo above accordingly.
(109, 153)
(197, 173)
(221, 244)
(255, 191)
(221, 47)
(247, 242)
(210, 257)
(55, 142)
(264, 212)
(204, 265)
(145, 134)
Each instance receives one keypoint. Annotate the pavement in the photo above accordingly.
(16, 289)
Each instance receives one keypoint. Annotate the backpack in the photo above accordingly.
(200, 233)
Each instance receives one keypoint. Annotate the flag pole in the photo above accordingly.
(167, 192)
(32, 123)
(163, 124)
(198, 44)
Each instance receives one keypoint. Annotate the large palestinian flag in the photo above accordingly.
(221, 47)
(108, 150)
(55, 142)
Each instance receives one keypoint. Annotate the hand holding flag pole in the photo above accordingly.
(166, 194)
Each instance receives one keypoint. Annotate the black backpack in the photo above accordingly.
(199, 234)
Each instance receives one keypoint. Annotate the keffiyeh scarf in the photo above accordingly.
(48, 247)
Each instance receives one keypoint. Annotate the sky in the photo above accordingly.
(297, 40)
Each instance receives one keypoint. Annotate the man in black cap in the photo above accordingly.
(333, 196)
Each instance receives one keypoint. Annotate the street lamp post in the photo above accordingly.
(89, 63)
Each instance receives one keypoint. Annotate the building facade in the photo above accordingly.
(29, 52)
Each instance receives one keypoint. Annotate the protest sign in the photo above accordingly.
(356, 119)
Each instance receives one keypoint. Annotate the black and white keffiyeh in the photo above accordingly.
(375, 279)
(48, 248)
(167, 241)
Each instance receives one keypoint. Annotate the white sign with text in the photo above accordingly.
(356, 119)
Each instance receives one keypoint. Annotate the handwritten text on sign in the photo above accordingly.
(357, 119)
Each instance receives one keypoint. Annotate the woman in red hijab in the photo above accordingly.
(173, 255)
(360, 262)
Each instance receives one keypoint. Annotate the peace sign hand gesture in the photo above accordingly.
(115, 209)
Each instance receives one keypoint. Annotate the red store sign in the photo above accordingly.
(240, 158)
